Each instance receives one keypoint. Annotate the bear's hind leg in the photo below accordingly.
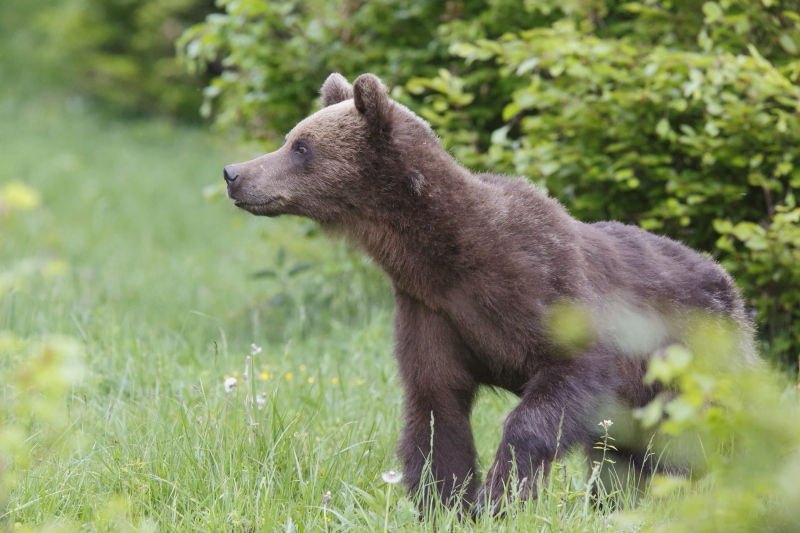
(557, 411)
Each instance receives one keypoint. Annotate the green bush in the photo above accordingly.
(122, 52)
(275, 55)
(737, 422)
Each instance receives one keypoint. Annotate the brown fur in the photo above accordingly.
(478, 263)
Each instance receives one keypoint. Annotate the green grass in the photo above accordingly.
(159, 291)
(163, 291)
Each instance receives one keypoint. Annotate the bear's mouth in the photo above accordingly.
(265, 207)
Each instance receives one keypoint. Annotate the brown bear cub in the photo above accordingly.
(480, 264)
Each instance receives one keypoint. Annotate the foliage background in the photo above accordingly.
(121, 53)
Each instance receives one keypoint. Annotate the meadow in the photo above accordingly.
(162, 290)
(133, 296)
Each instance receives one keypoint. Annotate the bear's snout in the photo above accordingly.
(229, 174)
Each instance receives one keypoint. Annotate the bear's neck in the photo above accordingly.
(417, 239)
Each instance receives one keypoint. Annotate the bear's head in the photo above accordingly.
(354, 157)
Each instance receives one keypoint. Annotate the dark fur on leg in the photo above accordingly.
(439, 393)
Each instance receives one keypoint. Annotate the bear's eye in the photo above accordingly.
(300, 147)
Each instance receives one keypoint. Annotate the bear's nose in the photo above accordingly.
(229, 173)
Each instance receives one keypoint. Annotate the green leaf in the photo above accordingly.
(651, 414)
(723, 226)
(510, 110)
(756, 242)
(713, 12)
(783, 168)
(724, 243)
(417, 85)
(787, 43)
(662, 128)
(679, 105)
(527, 65)
(745, 230)
(674, 363)
(623, 174)
(548, 167)
(679, 410)
(794, 179)
(499, 135)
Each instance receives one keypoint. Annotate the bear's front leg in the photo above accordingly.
(556, 411)
(439, 392)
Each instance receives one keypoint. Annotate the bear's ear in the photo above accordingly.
(335, 90)
(371, 100)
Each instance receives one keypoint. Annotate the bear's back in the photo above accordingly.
(659, 267)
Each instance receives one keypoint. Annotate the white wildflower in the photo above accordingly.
(391, 477)
(261, 400)
(255, 350)
(229, 384)
(605, 424)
